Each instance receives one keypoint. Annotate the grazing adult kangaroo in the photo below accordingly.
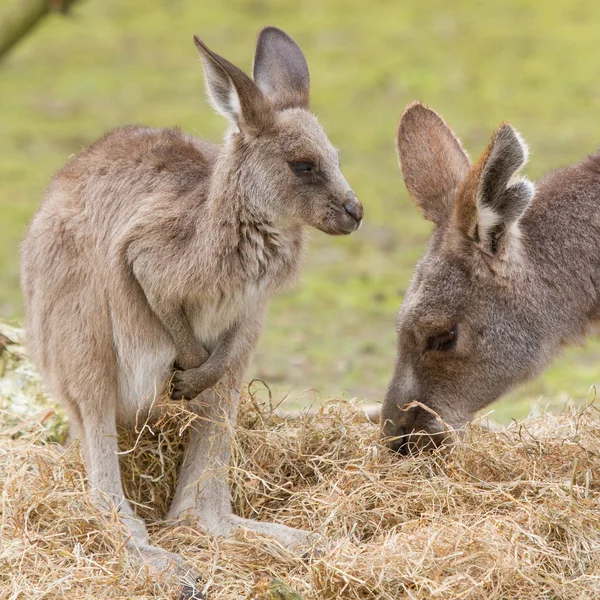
(154, 251)
(512, 273)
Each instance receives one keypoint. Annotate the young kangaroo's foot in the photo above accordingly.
(294, 539)
(169, 567)
(220, 525)
(161, 564)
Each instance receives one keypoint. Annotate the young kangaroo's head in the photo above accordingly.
(280, 157)
(466, 331)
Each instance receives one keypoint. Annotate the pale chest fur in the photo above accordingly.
(263, 260)
(210, 316)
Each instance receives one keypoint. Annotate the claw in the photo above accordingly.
(176, 381)
(312, 554)
(177, 394)
(191, 592)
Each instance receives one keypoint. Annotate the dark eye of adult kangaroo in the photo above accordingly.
(154, 250)
(509, 276)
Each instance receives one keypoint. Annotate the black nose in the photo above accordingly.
(398, 430)
(399, 445)
(354, 208)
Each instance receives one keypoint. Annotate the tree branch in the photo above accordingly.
(23, 17)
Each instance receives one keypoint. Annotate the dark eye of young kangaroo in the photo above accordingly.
(302, 168)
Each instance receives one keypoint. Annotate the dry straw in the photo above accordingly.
(510, 514)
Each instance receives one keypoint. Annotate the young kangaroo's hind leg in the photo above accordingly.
(202, 490)
(100, 450)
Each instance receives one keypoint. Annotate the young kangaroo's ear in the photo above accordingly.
(492, 199)
(233, 94)
(432, 160)
(280, 69)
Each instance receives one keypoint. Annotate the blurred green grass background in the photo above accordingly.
(113, 62)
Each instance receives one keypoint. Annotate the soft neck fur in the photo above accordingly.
(248, 243)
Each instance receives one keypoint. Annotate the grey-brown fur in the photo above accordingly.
(154, 251)
(514, 272)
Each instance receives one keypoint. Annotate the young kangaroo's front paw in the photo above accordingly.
(188, 384)
(191, 358)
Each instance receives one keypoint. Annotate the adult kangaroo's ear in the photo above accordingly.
(280, 69)
(233, 94)
(493, 199)
(432, 160)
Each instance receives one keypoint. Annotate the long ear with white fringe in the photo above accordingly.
(492, 198)
(233, 94)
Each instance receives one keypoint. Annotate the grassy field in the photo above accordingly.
(478, 63)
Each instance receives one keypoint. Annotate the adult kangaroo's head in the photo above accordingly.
(467, 329)
(283, 163)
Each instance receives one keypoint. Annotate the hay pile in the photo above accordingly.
(512, 514)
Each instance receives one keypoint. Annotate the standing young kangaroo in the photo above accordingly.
(512, 273)
(154, 252)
